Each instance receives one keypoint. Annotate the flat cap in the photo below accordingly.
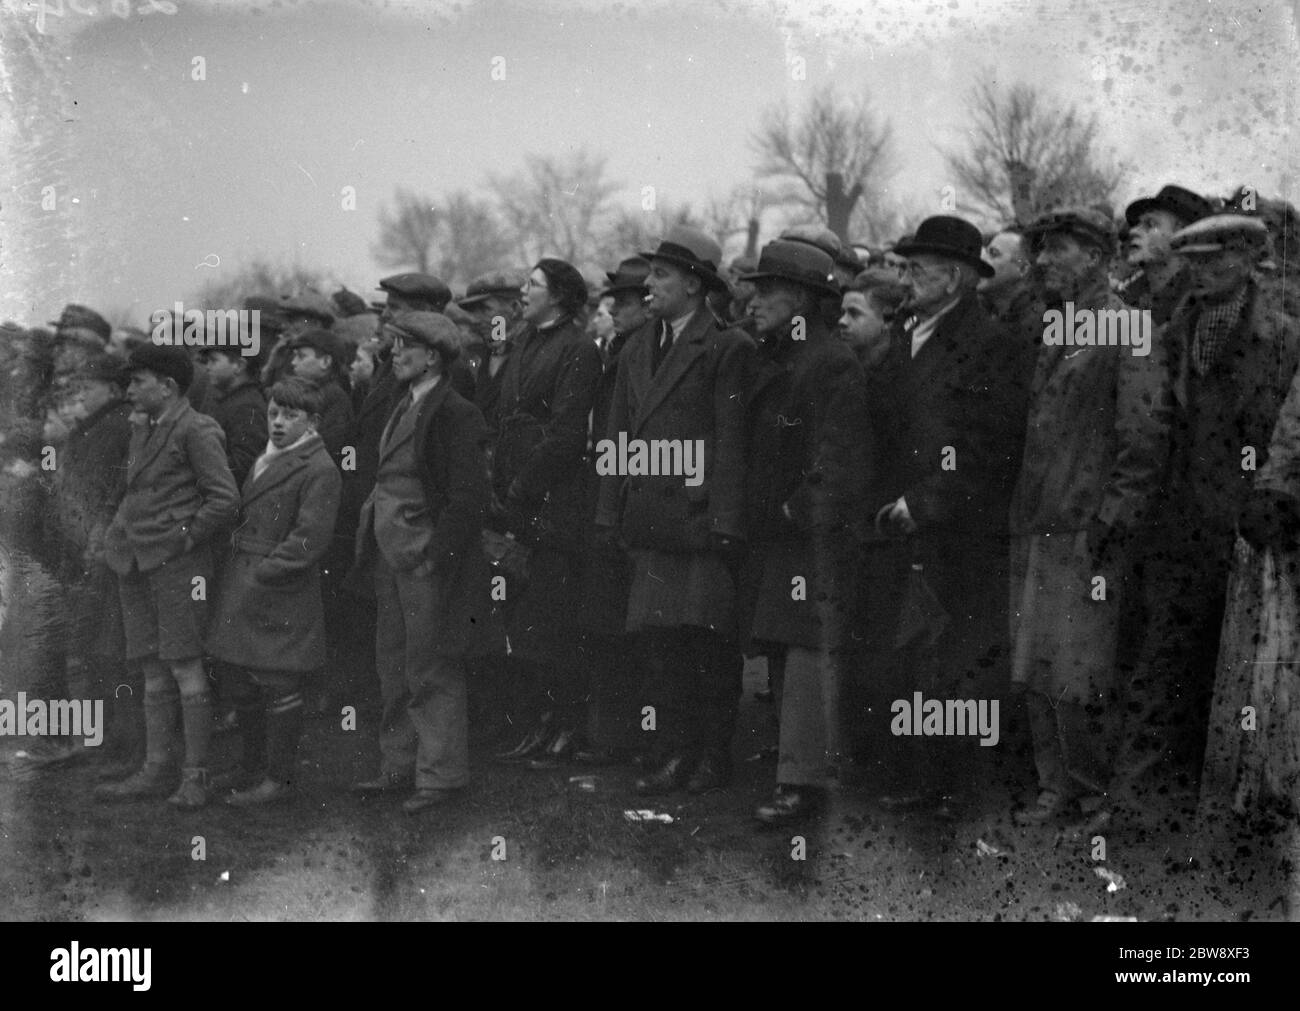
(322, 341)
(1219, 232)
(307, 304)
(104, 368)
(486, 285)
(164, 361)
(1087, 223)
(432, 329)
(422, 286)
(81, 317)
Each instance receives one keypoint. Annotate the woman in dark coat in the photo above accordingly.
(548, 386)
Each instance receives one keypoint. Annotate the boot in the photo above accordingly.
(193, 791)
(153, 776)
(266, 792)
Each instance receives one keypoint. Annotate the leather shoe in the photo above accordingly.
(268, 791)
(425, 798)
(1048, 808)
(713, 773)
(533, 743)
(386, 782)
(670, 776)
(558, 751)
(790, 803)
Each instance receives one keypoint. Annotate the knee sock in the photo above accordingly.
(283, 729)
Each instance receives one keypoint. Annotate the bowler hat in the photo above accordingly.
(80, 317)
(165, 361)
(630, 275)
(944, 235)
(1086, 223)
(425, 287)
(432, 329)
(1181, 203)
(1221, 231)
(692, 250)
(797, 261)
(486, 285)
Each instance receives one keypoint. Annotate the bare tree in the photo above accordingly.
(834, 152)
(1027, 154)
(557, 206)
(469, 240)
(261, 277)
(407, 232)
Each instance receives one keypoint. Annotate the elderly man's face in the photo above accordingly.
(931, 282)
(1218, 276)
(1148, 241)
(775, 304)
(1065, 264)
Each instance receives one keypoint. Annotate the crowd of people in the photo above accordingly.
(871, 467)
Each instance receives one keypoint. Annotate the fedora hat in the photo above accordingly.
(1182, 204)
(947, 236)
(630, 276)
(692, 250)
(797, 261)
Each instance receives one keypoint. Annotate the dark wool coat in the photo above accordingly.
(337, 424)
(268, 612)
(962, 390)
(178, 484)
(89, 482)
(1235, 405)
(697, 394)
(450, 437)
(810, 449)
(241, 413)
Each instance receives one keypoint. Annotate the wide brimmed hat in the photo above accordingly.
(954, 238)
(1183, 204)
(692, 250)
(797, 261)
(630, 275)
(80, 317)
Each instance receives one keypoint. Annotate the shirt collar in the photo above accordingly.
(420, 390)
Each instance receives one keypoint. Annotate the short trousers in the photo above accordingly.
(160, 615)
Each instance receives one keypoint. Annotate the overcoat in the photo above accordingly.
(1234, 405)
(241, 413)
(449, 436)
(698, 393)
(269, 612)
(810, 449)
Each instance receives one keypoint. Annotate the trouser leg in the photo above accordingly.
(161, 711)
(1049, 760)
(240, 690)
(720, 674)
(809, 719)
(283, 695)
(397, 741)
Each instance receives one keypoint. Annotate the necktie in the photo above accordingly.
(661, 350)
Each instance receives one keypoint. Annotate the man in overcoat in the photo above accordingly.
(684, 380)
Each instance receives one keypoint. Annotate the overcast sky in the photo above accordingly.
(156, 176)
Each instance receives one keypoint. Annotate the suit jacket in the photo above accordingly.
(269, 613)
(178, 486)
(448, 436)
(697, 393)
